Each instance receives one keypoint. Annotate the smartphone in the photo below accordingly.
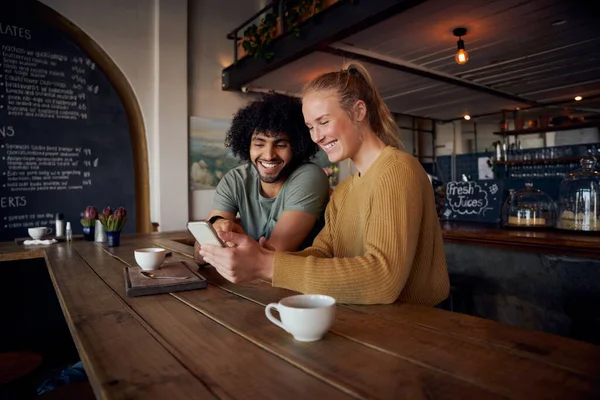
(204, 233)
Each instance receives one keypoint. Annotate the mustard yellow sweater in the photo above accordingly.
(381, 242)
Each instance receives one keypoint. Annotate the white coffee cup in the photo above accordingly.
(39, 233)
(150, 258)
(306, 316)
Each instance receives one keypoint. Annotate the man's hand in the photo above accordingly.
(244, 260)
(226, 225)
(265, 244)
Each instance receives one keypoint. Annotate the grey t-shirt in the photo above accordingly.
(306, 189)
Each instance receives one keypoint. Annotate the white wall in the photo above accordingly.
(147, 39)
(209, 52)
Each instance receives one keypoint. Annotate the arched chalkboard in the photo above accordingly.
(71, 133)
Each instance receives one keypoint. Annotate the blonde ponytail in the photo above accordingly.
(352, 83)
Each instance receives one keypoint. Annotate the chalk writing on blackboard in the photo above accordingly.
(466, 197)
(473, 201)
(42, 84)
(64, 133)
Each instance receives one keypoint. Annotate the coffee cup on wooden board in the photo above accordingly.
(150, 258)
(307, 316)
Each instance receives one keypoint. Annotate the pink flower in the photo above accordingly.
(89, 216)
(120, 212)
(116, 221)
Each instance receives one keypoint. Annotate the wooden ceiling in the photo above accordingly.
(521, 52)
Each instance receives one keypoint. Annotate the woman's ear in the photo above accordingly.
(359, 111)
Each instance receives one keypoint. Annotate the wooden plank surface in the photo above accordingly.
(335, 359)
(474, 361)
(231, 366)
(9, 251)
(323, 357)
(569, 354)
(543, 359)
(121, 357)
(579, 357)
(572, 355)
(219, 338)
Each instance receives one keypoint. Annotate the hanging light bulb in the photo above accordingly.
(461, 55)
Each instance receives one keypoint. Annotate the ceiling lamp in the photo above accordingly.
(578, 98)
(461, 55)
(467, 117)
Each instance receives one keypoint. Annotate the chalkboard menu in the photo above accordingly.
(477, 201)
(64, 134)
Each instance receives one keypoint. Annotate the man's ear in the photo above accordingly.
(359, 111)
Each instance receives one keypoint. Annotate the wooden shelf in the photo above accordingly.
(563, 160)
(566, 127)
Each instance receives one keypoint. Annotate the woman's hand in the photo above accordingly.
(197, 257)
(243, 260)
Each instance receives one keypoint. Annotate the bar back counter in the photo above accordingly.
(546, 280)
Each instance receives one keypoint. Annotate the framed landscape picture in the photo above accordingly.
(209, 159)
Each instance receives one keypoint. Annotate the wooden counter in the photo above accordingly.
(552, 241)
(217, 343)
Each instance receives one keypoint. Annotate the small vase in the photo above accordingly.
(100, 232)
(114, 238)
(88, 233)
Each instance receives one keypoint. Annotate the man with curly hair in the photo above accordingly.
(279, 194)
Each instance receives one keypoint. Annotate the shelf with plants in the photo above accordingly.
(564, 127)
(563, 160)
(257, 38)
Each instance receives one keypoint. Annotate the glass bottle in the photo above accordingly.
(69, 232)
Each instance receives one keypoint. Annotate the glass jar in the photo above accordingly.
(579, 202)
(528, 208)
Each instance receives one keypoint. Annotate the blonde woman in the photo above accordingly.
(382, 241)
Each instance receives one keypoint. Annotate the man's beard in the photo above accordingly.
(282, 175)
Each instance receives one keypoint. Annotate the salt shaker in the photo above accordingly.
(60, 225)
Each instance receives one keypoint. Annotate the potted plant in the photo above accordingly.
(113, 224)
(89, 222)
(257, 38)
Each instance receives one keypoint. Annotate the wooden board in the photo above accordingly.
(138, 285)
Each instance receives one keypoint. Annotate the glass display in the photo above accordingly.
(579, 203)
(528, 208)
